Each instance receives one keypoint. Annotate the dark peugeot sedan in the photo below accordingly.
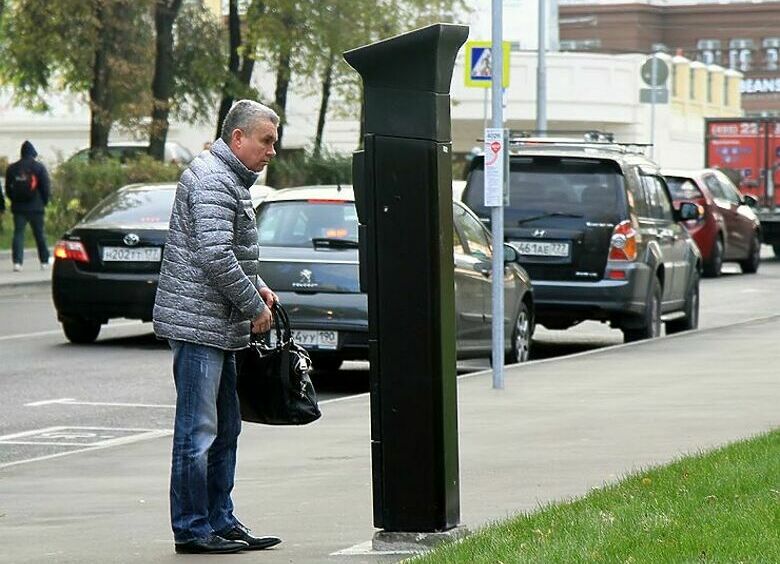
(107, 266)
(309, 256)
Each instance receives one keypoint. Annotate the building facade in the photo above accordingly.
(740, 35)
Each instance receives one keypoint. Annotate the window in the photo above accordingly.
(579, 44)
(682, 188)
(474, 234)
(726, 90)
(134, 207)
(708, 51)
(709, 86)
(656, 197)
(297, 223)
(740, 54)
(692, 82)
(637, 194)
(714, 187)
(728, 189)
(772, 53)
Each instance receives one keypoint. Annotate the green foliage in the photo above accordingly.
(301, 168)
(719, 507)
(78, 186)
(199, 69)
(51, 46)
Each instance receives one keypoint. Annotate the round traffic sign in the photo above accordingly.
(661, 71)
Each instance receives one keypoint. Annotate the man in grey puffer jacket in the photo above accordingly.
(209, 299)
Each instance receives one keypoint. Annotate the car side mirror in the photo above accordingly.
(750, 200)
(688, 211)
(510, 254)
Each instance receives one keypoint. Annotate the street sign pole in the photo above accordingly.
(541, 69)
(497, 211)
(653, 81)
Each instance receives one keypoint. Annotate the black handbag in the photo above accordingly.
(273, 381)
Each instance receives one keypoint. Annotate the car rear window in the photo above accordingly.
(301, 223)
(682, 188)
(539, 185)
(134, 207)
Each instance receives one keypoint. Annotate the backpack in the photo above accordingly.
(22, 187)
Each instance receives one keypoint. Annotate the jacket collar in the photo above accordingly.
(221, 150)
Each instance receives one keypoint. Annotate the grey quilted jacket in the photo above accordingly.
(207, 293)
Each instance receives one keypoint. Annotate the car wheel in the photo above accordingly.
(81, 331)
(325, 363)
(750, 264)
(713, 267)
(651, 322)
(691, 319)
(520, 346)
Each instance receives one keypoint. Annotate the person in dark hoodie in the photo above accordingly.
(27, 186)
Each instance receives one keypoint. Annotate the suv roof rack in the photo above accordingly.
(588, 135)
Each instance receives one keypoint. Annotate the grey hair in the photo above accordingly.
(244, 115)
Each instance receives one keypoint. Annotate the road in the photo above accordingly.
(59, 397)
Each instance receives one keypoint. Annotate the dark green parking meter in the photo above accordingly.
(403, 193)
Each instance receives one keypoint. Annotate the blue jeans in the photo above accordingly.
(35, 219)
(205, 438)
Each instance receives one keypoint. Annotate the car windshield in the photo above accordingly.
(545, 187)
(682, 188)
(134, 207)
(308, 224)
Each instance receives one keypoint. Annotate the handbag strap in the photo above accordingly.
(282, 322)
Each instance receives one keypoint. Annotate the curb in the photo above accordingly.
(17, 284)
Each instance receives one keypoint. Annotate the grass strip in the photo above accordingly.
(721, 506)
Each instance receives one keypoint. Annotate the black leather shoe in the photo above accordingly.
(212, 544)
(241, 533)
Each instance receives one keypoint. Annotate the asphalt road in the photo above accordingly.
(58, 397)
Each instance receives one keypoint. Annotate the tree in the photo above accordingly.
(188, 67)
(165, 13)
(241, 59)
(97, 48)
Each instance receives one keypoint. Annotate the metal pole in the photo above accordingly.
(541, 70)
(485, 109)
(653, 79)
(497, 212)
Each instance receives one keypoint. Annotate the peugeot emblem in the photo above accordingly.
(306, 276)
(131, 239)
(539, 232)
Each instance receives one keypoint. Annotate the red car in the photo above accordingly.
(728, 229)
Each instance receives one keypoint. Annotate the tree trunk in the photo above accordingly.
(283, 73)
(327, 82)
(165, 13)
(234, 29)
(99, 93)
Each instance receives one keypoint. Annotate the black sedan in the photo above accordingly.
(309, 256)
(107, 266)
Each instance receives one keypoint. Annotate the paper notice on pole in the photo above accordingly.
(494, 167)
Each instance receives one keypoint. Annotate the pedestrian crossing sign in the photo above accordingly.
(479, 68)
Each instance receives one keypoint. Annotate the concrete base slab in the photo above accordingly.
(405, 542)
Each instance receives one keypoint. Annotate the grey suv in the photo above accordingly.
(595, 229)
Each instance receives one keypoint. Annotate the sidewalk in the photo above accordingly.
(31, 272)
(559, 429)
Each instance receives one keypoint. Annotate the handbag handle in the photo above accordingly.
(282, 322)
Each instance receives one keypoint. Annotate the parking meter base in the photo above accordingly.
(410, 542)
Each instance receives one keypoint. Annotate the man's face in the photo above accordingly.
(255, 148)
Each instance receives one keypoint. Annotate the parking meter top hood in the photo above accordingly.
(420, 60)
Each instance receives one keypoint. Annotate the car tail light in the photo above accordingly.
(71, 250)
(623, 246)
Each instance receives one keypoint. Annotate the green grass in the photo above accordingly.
(722, 506)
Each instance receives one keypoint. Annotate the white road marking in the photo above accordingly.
(367, 548)
(140, 435)
(47, 402)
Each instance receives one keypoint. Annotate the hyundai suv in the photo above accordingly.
(595, 229)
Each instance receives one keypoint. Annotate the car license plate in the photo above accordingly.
(542, 248)
(321, 339)
(137, 254)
